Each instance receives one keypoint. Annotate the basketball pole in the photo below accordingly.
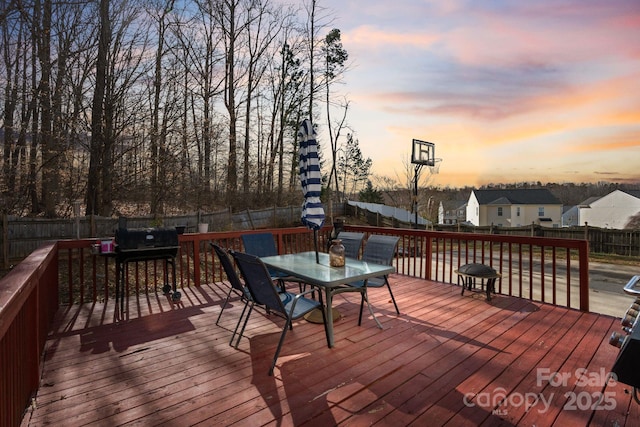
(422, 153)
(416, 178)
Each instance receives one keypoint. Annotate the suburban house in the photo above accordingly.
(451, 212)
(613, 210)
(514, 208)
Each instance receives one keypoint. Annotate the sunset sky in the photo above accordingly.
(509, 91)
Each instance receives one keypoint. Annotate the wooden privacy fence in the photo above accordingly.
(87, 277)
(21, 236)
(601, 240)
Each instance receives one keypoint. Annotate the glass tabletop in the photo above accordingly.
(304, 266)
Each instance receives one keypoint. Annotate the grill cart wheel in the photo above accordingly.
(166, 289)
(176, 296)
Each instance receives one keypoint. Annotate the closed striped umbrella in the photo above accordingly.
(311, 179)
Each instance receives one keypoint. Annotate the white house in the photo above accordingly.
(611, 211)
(514, 208)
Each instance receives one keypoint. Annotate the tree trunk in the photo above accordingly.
(230, 103)
(93, 198)
(50, 169)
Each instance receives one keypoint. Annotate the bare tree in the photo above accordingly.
(99, 97)
(285, 88)
(335, 57)
(118, 71)
(96, 159)
(156, 137)
(13, 51)
(206, 83)
(50, 150)
(228, 15)
(263, 26)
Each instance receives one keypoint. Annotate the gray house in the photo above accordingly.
(451, 212)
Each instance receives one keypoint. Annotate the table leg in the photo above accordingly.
(329, 315)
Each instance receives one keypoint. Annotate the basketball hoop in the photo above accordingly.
(422, 152)
(434, 166)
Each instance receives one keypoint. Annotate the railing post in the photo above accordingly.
(5, 241)
(428, 256)
(196, 260)
(584, 276)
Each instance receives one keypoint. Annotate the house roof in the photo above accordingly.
(529, 196)
(453, 204)
(634, 193)
(590, 200)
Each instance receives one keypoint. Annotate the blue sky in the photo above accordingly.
(507, 90)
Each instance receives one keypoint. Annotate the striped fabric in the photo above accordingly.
(310, 178)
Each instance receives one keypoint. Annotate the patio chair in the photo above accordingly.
(264, 244)
(288, 306)
(380, 250)
(236, 286)
(352, 242)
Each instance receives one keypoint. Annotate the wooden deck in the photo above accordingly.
(446, 360)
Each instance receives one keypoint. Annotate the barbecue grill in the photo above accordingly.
(626, 364)
(134, 245)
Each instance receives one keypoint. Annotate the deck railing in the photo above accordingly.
(66, 272)
(536, 268)
(555, 271)
(28, 303)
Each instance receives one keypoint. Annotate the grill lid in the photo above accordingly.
(140, 238)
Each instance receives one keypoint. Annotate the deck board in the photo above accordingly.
(434, 364)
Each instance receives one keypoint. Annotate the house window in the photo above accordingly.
(518, 211)
(541, 211)
(500, 211)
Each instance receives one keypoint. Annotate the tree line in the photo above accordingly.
(159, 106)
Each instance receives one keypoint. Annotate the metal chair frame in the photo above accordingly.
(352, 243)
(264, 244)
(288, 306)
(378, 249)
(237, 286)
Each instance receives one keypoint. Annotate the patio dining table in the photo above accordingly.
(331, 279)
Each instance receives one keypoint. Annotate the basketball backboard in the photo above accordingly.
(423, 152)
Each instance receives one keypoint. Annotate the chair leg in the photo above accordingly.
(235, 330)
(373, 315)
(223, 306)
(243, 326)
(275, 356)
(392, 298)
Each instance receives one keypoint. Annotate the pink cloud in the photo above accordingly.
(375, 38)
